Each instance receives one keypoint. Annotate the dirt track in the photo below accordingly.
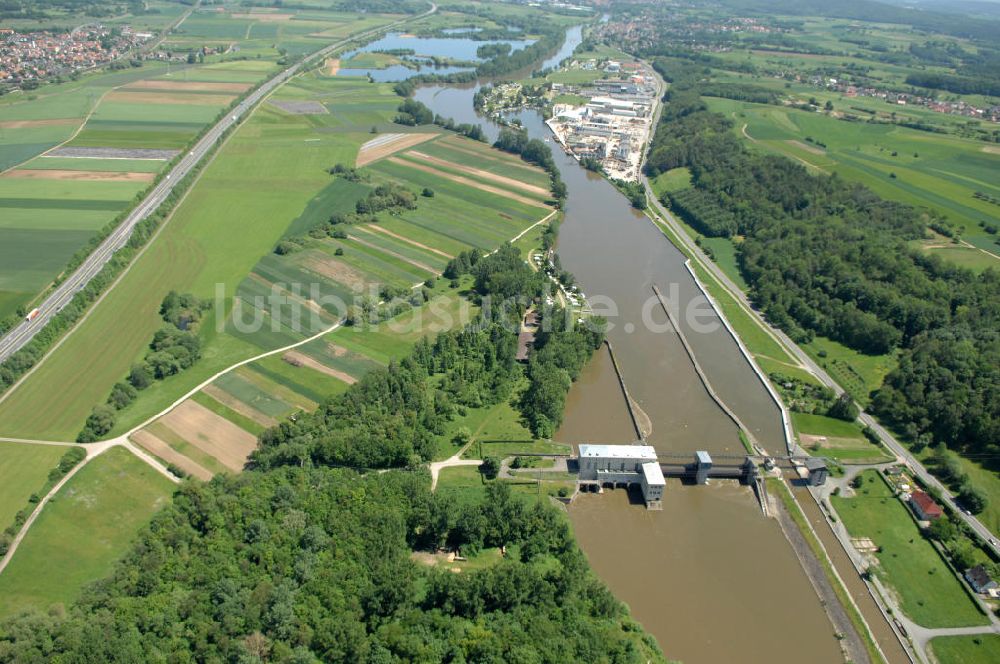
(93, 176)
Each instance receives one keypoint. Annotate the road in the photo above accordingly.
(23, 332)
(803, 358)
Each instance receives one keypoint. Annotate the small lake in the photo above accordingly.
(456, 48)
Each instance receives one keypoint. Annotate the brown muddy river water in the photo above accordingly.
(711, 577)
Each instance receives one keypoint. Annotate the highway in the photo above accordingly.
(23, 332)
(890, 441)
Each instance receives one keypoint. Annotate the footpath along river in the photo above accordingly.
(709, 576)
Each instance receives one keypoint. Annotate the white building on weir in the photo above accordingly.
(624, 464)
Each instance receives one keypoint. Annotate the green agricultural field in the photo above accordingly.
(978, 649)
(43, 223)
(673, 180)
(31, 124)
(930, 593)
(24, 469)
(270, 176)
(80, 534)
(262, 180)
(254, 396)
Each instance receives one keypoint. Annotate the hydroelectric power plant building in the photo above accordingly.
(624, 464)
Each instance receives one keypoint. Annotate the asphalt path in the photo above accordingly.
(19, 335)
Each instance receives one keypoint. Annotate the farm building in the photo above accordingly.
(924, 506)
(980, 579)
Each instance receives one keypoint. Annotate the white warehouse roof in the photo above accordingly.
(619, 451)
(615, 103)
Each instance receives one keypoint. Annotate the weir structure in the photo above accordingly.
(639, 465)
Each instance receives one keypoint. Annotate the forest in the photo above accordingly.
(827, 257)
(315, 564)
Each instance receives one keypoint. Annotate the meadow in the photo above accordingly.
(24, 470)
(836, 439)
(82, 532)
(929, 592)
(979, 649)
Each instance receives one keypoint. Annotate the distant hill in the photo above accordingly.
(955, 24)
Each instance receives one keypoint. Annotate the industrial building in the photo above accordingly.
(624, 464)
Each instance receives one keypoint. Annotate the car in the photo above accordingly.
(966, 512)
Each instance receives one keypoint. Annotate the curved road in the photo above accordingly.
(22, 333)
(803, 358)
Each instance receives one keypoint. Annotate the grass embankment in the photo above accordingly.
(929, 593)
(779, 487)
(83, 530)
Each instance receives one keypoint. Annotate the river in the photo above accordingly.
(709, 576)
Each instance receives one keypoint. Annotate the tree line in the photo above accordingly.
(175, 347)
(315, 564)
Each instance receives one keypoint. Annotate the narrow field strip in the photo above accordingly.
(27, 124)
(159, 448)
(90, 176)
(485, 175)
(181, 98)
(388, 144)
(238, 406)
(370, 245)
(113, 153)
(187, 86)
(419, 245)
(458, 179)
(466, 145)
(211, 433)
(299, 359)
